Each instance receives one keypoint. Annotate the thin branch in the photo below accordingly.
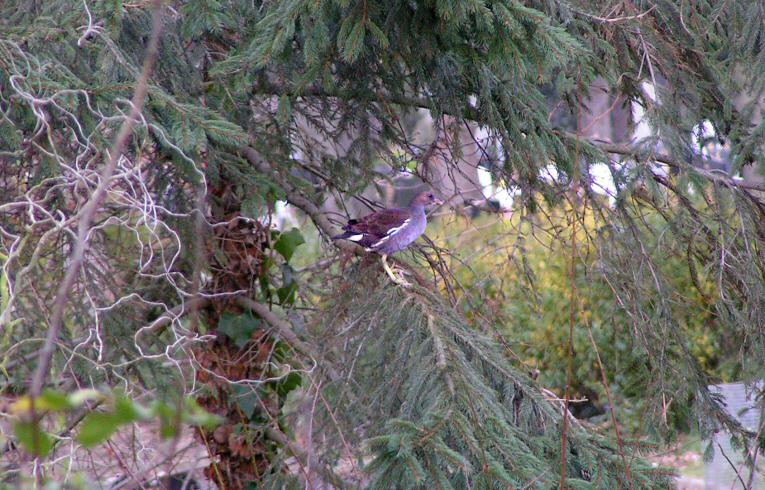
(573, 298)
(738, 475)
(713, 176)
(611, 407)
(615, 20)
(294, 196)
(167, 318)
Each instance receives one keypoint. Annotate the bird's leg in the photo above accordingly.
(390, 273)
(388, 269)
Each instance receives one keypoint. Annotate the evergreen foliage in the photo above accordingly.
(460, 415)
(302, 101)
(531, 313)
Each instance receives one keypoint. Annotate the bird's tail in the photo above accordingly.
(348, 232)
(353, 236)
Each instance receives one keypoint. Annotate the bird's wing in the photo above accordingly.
(379, 223)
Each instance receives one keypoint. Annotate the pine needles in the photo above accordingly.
(318, 91)
(438, 405)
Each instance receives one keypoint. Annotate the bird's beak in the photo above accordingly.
(438, 202)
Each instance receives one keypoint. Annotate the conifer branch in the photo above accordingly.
(459, 401)
(719, 178)
(294, 196)
(411, 101)
(440, 354)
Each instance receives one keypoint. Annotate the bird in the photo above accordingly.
(390, 230)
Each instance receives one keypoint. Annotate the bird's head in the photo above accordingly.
(426, 198)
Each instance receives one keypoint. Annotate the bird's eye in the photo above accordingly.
(431, 196)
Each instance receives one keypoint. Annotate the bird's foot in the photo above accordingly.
(393, 277)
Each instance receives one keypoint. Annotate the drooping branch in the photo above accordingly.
(667, 160)
(294, 196)
(412, 101)
(297, 199)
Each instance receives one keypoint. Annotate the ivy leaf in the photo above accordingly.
(288, 242)
(289, 383)
(26, 432)
(287, 293)
(264, 285)
(247, 400)
(238, 328)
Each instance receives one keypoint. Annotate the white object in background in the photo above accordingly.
(741, 404)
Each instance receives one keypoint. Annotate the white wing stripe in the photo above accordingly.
(380, 242)
(393, 231)
(390, 233)
(355, 238)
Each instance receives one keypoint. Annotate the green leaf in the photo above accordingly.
(238, 328)
(287, 293)
(264, 287)
(198, 416)
(97, 427)
(247, 400)
(288, 242)
(52, 400)
(125, 410)
(79, 397)
(289, 383)
(289, 289)
(168, 420)
(26, 432)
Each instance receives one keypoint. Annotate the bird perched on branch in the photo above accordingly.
(390, 230)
